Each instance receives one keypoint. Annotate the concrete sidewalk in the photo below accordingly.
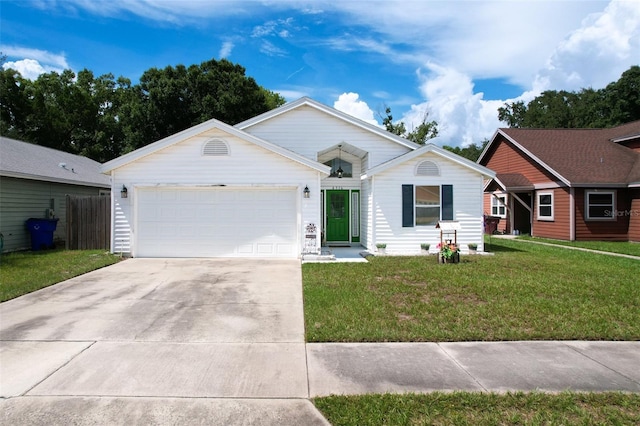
(176, 341)
(358, 368)
(542, 243)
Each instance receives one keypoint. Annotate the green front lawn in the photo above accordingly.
(24, 272)
(523, 292)
(465, 408)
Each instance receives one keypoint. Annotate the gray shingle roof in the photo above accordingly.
(29, 161)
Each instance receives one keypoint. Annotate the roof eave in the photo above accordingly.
(200, 128)
(487, 147)
(600, 185)
(328, 110)
(423, 150)
(53, 179)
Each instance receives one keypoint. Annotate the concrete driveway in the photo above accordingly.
(160, 341)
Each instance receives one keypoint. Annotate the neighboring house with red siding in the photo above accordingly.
(568, 184)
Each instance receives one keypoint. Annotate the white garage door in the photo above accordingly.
(212, 222)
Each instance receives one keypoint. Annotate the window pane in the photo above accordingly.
(502, 212)
(336, 163)
(336, 205)
(606, 199)
(427, 216)
(545, 199)
(600, 211)
(545, 211)
(494, 211)
(427, 196)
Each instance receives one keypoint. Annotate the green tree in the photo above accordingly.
(624, 97)
(471, 152)
(14, 103)
(421, 134)
(103, 118)
(616, 104)
(175, 98)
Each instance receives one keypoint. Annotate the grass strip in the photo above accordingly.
(468, 408)
(24, 272)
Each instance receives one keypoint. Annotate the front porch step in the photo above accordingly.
(325, 255)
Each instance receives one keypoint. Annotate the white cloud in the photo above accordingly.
(225, 50)
(292, 95)
(279, 28)
(352, 105)
(597, 53)
(594, 54)
(271, 49)
(52, 60)
(175, 12)
(33, 62)
(28, 68)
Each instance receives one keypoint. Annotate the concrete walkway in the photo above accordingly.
(608, 253)
(159, 341)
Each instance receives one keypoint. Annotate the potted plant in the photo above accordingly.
(424, 248)
(449, 252)
(473, 247)
(382, 247)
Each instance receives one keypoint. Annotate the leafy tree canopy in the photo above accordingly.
(102, 118)
(421, 134)
(618, 103)
(471, 152)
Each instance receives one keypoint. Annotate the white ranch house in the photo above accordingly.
(284, 183)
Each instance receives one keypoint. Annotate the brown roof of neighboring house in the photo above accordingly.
(581, 156)
(625, 131)
(514, 181)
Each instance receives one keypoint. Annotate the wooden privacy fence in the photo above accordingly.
(88, 222)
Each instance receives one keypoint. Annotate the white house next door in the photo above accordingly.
(216, 222)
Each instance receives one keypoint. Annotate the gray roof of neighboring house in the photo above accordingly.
(29, 161)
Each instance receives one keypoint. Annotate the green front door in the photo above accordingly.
(337, 216)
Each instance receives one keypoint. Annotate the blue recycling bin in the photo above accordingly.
(41, 232)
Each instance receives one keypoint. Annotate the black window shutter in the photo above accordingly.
(447, 202)
(407, 206)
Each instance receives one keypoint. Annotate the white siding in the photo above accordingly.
(387, 206)
(366, 203)
(21, 199)
(183, 165)
(307, 131)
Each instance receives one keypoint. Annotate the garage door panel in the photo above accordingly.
(209, 222)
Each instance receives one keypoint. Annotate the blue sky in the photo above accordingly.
(457, 61)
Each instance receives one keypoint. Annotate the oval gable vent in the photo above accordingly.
(427, 168)
(215, 148)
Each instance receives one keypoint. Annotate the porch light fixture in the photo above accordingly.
(124, 192)
(339, 172)
(306, 192)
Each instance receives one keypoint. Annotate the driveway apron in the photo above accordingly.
(207, 336)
